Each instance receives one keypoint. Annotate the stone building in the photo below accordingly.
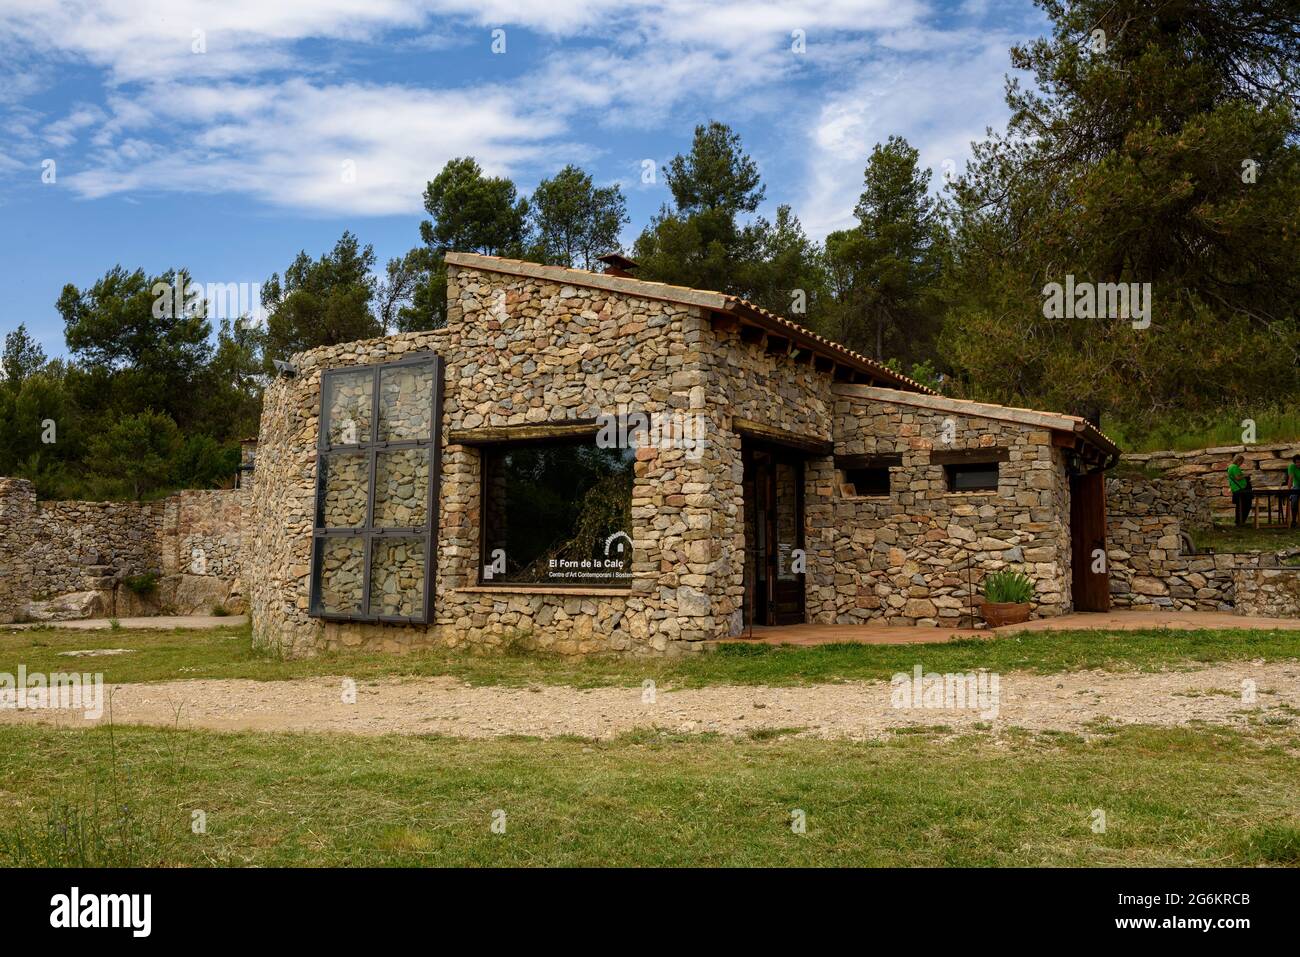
(586, 462)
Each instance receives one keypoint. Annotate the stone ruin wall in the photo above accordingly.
(68, 559)
(1193, 485)
(1156, 501)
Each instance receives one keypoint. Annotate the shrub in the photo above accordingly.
(141, 584)
(220, 611)
(1008, 586)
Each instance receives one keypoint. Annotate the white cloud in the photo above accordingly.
(287, 145)
(264, 114)
(941, 101)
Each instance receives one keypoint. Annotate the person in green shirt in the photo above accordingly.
(1293, 483)
(1239, 486)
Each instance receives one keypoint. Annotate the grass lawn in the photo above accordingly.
(1229, 538)
(1170, 797)
(228, 653)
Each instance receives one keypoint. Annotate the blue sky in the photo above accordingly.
(214, 135)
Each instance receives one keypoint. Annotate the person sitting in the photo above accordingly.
(1239, 486)
(1293, 483)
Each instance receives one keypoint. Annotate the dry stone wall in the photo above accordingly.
(1153, 498)
(1267, 592)
(518, 351)
(526, 351)
(912, 557)
(1193, 485)
(49, 550)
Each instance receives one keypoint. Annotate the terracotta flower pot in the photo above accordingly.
(999, 613)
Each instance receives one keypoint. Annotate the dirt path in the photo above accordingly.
(1065, 702)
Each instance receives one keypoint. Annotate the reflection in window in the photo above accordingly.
(348, 398)
(401, 488)
(557, 513)
(377, 459)
(397, 577)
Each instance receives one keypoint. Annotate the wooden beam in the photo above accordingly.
(532, 432)
(762, 432)
(724, 322)
(777, 345)
(968, 456)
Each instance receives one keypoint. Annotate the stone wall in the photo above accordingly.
(1148, 567)
(522, 350)
(50, 550)
(1193, 485)
(913, 556)
(1267, 592)
(1133, 494)
(1153, 498)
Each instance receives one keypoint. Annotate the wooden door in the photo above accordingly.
(774, 537)
(1089, 566)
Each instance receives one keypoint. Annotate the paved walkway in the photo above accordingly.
(1109, 621)
(159, 622)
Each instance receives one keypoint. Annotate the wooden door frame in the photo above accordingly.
(1087, 594)
(770, 556)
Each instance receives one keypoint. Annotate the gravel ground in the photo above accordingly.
(859, 710)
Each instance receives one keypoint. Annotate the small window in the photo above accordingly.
(557, 513)
(868, 481)
(972, 477)
(866, 475)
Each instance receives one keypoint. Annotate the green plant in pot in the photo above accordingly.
(1007, 598)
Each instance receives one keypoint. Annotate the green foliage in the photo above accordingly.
(138, 341)
(22, 357)
(1184, 431)
(699, 243)
(322, 302)
(1008, 585)
(1128, 163)
(715, 175)
(472, 212)
(469, 212)
(143, 584)
(885, 270)
(574, 220)
(137, 451)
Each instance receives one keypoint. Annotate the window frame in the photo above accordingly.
(367, 531)
(881, 462)
(505, 445)
(951, 469)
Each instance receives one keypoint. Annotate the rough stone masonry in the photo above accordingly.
(537, 347)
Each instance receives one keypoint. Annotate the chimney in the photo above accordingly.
(617, 264)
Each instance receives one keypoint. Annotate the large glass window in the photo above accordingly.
(376, 491)
(557, 513)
